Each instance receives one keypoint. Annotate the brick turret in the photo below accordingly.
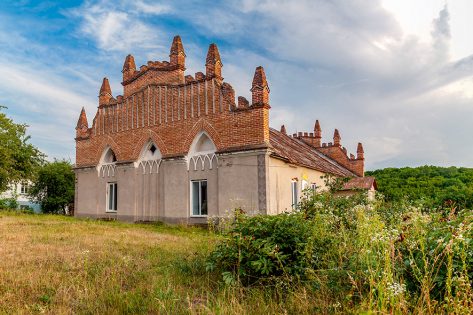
(82, 127)
(260, 88)
(283, 129)
(177, 55)
(336, 138)
(360, 153)
(213, 63)
(317, 134)
(129, 67)
(105, 93)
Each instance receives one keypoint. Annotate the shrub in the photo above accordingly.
(260, 249)
(385, 256)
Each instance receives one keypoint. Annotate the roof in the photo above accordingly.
(298, 152)
(360, 183)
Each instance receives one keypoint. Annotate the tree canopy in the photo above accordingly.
(19, 159)
(54, 187)
(432, 183)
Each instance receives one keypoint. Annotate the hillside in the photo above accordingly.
(432, 183)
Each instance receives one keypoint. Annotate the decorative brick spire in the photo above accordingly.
(360, 154)
(82, 120)
(260, 89)
(105, 92)
(177, 55)
(336, 138)
(82, 128)
(129, 67)
(213, 63)
(317, 134)
(283, 129)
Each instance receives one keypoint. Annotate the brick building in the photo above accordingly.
(180, 148)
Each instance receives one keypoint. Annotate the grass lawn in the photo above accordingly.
(59, 265)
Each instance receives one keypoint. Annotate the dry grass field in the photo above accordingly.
(60, 265)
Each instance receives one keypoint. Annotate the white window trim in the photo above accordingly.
(107, 194)
(191, 199)
(294, 204)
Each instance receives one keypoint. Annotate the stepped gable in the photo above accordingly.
(298, 152)
(161, 102)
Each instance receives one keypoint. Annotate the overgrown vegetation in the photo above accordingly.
(355, 256)
(334, 255)
(434, 184)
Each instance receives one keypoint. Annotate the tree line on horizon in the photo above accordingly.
(434, 185)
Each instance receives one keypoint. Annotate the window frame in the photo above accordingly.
(24, 188)
(294, 195)
(108, 208)
(191, 199)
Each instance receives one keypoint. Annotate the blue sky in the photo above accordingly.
(395, 75)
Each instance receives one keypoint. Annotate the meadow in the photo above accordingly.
(52, 264)
(332, 256)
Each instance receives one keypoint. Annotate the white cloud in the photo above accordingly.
(115, 29)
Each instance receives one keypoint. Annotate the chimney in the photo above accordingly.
(317, 134)
(336, 138)
(213, 63)
(259, 89)
(177, 55)
(129, 67)
(283, 129)
(105, 92)
(360, 153)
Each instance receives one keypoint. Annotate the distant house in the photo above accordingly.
(19, 192)
(181, 148)
(359, 184)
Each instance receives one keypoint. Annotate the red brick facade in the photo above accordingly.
(160, 103)
(335, 150)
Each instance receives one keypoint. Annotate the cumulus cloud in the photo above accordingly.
(347, 63)
(115, 28)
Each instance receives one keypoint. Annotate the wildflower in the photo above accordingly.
(396, 288)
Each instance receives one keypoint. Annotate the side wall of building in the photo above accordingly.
(281, 176)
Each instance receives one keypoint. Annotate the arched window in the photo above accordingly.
(201, 153)
(107, 163)
(109, 157)
(150, 158)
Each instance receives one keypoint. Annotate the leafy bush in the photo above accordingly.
(259, 249)
(383, 256)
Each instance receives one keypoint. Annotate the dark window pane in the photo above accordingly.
(115, 197)
(195, 198)
(203, 197)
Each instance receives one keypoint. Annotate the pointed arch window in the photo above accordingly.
(150, 158)
(106, 167)
(201, 154)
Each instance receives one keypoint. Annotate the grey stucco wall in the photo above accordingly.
(232, 182)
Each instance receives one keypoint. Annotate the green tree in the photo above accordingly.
(54, 187)
(434, 185)
(19, 159)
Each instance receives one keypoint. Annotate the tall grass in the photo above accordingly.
(333, 256)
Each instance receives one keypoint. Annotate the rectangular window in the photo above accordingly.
(313, 186)
(24, 188)
(199, 197)
(112, 197)
(294, 194)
